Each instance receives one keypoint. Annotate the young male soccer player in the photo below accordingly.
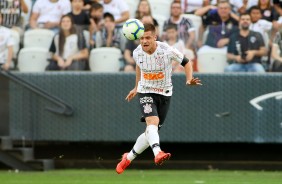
(154, 88)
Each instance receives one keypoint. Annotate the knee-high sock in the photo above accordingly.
(140, 145)
(153, 138)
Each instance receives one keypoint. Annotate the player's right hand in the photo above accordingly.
(131, 94)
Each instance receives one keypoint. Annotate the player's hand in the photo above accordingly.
(131, 94)
(194, 81)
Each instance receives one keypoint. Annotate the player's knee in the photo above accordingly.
(152, 120)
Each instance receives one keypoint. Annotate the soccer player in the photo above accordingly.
(154, 89)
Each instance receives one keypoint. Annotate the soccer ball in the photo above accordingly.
(133, 29)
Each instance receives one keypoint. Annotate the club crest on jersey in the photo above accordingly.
(159, 58)
(147, 108)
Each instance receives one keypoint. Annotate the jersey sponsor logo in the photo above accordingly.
(153, 76)
(146, 99)
(160, 90)
(147, 108)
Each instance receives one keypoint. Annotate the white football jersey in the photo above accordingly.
(156, 68)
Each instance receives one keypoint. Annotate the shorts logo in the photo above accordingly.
(147, 108)
(146, 100)
(154, 76)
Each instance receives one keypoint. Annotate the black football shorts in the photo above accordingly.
(152, 104)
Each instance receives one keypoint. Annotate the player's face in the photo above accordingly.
(148, 42)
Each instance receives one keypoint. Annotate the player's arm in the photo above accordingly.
(188, 68)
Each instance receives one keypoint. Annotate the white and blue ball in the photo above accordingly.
(133, 29)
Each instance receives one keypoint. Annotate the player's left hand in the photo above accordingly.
(194, 81)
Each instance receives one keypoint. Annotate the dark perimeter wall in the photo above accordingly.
(218, 111)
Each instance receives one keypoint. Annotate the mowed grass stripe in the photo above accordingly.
(141, 177)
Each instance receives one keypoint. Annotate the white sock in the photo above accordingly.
(153, 138)
(140, 145)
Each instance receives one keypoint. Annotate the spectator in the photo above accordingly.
(220, 24)
(119, 9)
(260, 25)
(47, 13)
(245, 49)
(277, 4)
(110, 34)
(175, 42)
(96, 22)
(269, 13)
(144, 9)
(130, 64)
(88, 4)
(190, 6)
(80, 17)
(267, 10)
(148, 19)
(68, 48)
(11, 14)
(6, 45)
(185, 27)
(276, 53)
(264, 27)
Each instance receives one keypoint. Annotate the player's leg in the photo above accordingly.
(140, 145)
(163, 106)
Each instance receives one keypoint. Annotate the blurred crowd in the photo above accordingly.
(247, 32)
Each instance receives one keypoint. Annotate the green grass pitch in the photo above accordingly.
(141, 177)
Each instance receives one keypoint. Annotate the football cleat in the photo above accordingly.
(123, 164)
(161, 157)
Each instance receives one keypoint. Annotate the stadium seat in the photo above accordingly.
(160, 7)
(41, 38)
(211, 60)
(197, 22)
(105, 59)
(32, 59)
(132, 4)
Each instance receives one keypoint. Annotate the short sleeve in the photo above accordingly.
(67, 7)
(36, 7)
(176, 55)
(10, 41)
(123, 6)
